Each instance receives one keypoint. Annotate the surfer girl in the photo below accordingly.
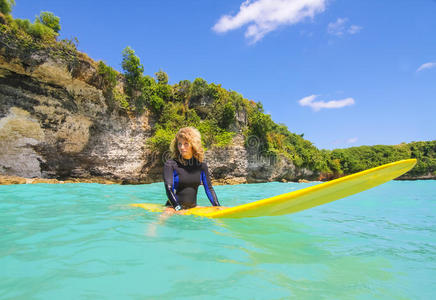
(185, 171)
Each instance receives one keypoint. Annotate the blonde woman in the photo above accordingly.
(186, 171)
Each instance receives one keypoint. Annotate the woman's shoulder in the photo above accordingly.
(170, 162)
(203, 165)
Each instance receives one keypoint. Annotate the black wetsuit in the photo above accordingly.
(182, 181)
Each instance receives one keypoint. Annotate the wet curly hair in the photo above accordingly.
(193, 136)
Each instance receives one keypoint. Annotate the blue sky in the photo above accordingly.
(344, 73)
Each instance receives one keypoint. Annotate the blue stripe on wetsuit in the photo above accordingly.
(175, 181)
(207, 189)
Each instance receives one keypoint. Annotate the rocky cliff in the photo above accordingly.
(55, 122)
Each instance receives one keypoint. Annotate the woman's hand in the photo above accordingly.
(180, 212)
(171, 211)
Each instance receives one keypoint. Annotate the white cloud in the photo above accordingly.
(352, 140)
(340, 27)
(428, 65)
(264, 16)
(354, 29)
(318, 105)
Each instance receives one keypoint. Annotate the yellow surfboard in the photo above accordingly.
(305, 198)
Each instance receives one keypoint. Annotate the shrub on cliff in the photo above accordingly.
(223, 138)
(42, 34)
(46, 26)
(22, 24)
(50, 20)
(161, 140)
(109, 80)
(40, 31)
(36, 30)
(121, 99)
(108, 75)
(162, 89)
(182, 91)
(226, 115)
(156, 103)
(172, 116)
(260, 125)
(202, 93)
(213, 135)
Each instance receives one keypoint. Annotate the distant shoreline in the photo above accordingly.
(7, 180)
(10, 180)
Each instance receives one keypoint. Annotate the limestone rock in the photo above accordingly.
(55, 123)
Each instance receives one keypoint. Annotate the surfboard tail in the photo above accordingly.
(319, 194)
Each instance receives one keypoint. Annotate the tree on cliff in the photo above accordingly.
(133, 69)
(142, 90)
(6, 6)
(133, 73)
(162, 77)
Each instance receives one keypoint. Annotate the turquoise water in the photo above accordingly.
(83, 241)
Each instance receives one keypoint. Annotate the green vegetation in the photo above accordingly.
(425, 152)
(49, 20)
(42, 34)
(45, 28)
(6, 6)
(208, 107)
(108, 75)
(218, 113)
(109, 81)
(142, 91)
(357, 159)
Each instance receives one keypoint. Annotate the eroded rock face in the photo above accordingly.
(239, 163)
(18, 133)
(56, 123)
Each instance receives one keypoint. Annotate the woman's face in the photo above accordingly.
(185, 148)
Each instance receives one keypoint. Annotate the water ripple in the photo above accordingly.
(84, 241)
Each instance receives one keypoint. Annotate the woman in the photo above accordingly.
(186, 171)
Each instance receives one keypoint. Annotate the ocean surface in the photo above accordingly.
(84, 241)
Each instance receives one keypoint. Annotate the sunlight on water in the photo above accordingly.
(84, 241)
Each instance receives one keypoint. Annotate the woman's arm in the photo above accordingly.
(168, 175)
(205, 179)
